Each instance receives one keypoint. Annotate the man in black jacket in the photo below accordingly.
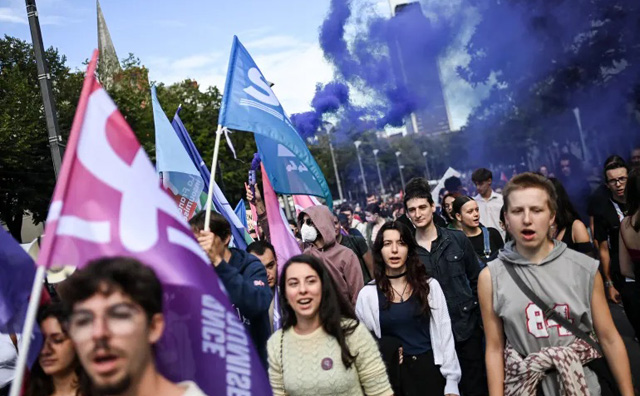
(449, 257)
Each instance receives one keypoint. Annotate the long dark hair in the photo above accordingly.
(39, 382)
(566, 214)
(632, 195)
(333, 307)
(416, 273)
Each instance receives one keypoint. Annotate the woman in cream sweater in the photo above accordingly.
(321, 349)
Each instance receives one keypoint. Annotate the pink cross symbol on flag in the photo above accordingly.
(109, 201)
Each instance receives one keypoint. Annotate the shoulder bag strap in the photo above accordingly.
(550, 313)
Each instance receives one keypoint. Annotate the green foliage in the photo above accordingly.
(26, 169)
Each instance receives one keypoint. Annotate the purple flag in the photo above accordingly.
(17, 271)
(108, 201)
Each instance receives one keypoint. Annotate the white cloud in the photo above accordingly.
(294, 66)
(12, 16)
(194, 62)
(273, 42)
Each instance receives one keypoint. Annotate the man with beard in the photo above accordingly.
(115, 319)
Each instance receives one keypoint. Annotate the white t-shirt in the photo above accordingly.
(192, 389)
(8, 359)
(490, 211)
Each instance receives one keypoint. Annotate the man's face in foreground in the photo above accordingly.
(113, 339)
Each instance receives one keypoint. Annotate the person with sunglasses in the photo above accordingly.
(319, 237)
(115, 319)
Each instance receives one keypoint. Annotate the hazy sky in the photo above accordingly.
(192, 39)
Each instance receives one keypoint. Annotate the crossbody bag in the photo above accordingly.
(598, 366)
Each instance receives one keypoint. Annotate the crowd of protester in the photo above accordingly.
(501, 292)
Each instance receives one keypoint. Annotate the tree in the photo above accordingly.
(547, 58)
(26, 169)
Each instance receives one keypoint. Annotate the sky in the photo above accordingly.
(192, 39)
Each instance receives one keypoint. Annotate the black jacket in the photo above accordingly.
(453, 263)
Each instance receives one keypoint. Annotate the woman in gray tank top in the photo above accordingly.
(527, 352)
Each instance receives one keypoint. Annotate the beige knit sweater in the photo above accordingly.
(311, 365)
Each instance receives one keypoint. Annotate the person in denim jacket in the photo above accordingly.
(449, 257)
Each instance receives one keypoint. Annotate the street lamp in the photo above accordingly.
(426, 164)
(329, 128)
(364, 182)
(375, 154)
(400, 169)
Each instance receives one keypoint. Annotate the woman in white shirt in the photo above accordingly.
(406, 308)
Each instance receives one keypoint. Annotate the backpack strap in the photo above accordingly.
(550, 313)
(487, 244)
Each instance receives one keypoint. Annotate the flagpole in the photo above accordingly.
(216, 149)
(27, 330)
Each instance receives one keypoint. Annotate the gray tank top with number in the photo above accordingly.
(563, 280)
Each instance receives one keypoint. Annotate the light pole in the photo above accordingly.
(375, 154)
(400, 169)
(426, 164)
(364, 182)
(44, 80)
(329, 128)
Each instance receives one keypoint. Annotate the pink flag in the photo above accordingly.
(108, 201)
(281, 237)
(303, 202)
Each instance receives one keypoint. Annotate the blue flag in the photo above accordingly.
(249, 104)
(241, 237)
(179, 174)
(241, 212)
(17, 272)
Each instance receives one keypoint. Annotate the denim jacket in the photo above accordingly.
(453, 263)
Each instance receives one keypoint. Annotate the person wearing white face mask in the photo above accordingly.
(319, 239)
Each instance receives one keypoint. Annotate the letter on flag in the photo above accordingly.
(108, 201)
(249, 104)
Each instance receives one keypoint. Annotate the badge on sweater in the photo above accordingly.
(327, 364)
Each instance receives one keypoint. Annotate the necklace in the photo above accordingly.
(401, 295)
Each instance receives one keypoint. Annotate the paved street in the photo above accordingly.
(633, 348)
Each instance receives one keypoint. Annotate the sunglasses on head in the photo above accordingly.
(308, 222)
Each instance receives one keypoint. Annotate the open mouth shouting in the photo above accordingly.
(105, 363)
(528, 234)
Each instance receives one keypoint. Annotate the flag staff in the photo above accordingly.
(27, 330)
(38, 281)
(216, 149)
(44, 80)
